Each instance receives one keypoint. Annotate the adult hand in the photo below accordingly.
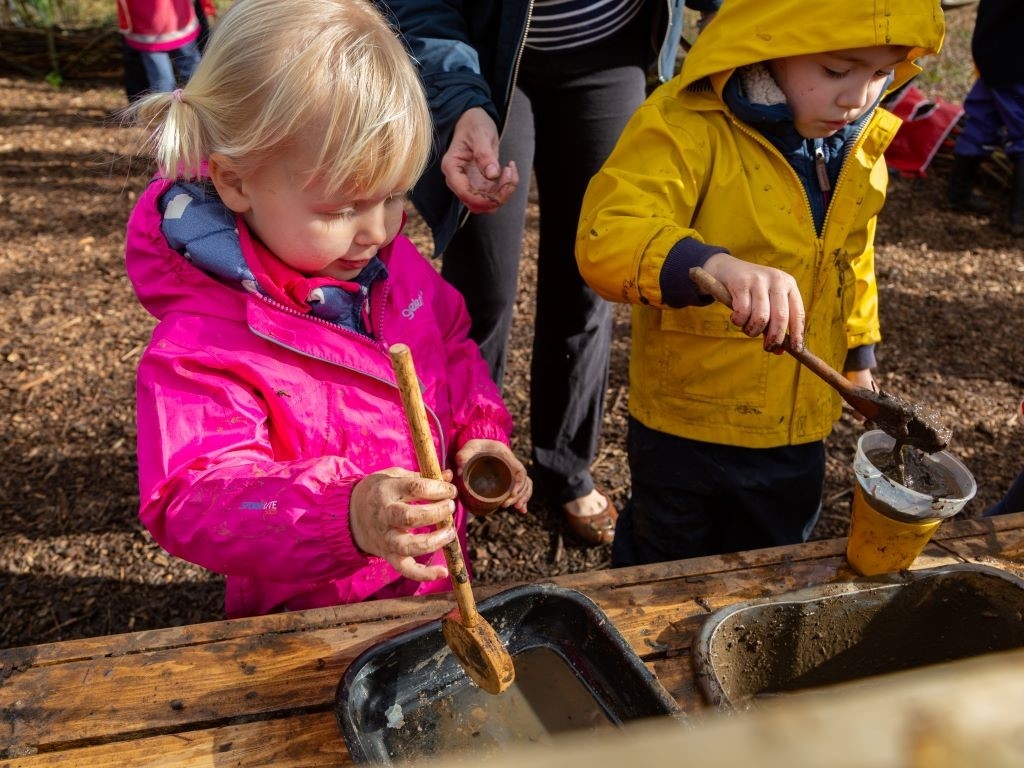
(765, 300)
(472, 168)
(387, 505)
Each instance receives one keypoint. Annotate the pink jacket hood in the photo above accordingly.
(255, 422)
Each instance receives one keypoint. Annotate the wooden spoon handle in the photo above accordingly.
(862, 400)
(430, 467)
(711, 286)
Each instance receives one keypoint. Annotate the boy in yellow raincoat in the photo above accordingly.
(762, 163)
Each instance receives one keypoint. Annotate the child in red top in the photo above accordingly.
(164, 34)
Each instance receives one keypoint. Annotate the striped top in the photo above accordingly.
(559, 25)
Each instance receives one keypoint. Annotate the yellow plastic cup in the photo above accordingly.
(889, 523)
(880, 544)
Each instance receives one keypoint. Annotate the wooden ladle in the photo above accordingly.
(906, 423)
(472, 641)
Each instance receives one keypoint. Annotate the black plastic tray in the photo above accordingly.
(408, 698)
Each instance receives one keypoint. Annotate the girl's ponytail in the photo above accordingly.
(173, 132)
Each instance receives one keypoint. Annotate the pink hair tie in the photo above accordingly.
(176, 95)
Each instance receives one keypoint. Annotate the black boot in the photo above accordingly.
(1015, 221)
(960, 192)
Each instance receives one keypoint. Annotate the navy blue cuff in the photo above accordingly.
(704, 6)
(677, 289)
(860, 358)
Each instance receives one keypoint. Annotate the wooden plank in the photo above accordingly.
(991, 529)
(966, 713)
(1003, 549)
(422, 609)
(981, 526)
(197, 686)
(182, 688)
(296, 742)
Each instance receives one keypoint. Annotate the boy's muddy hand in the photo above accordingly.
(764, 300)
(385, 508)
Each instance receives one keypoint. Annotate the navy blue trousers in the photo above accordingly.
(1013, 501)
(691, 498)
(995, 118)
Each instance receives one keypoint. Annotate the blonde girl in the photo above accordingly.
(272, 443)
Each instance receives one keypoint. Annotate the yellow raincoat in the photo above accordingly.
(686, 167)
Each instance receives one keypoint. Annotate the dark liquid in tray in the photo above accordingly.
(546, 699)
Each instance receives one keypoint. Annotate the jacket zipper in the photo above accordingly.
(821, 170)
(842, 171)
(515, 69)
(379, 344)
(819, 241)
(508, 94)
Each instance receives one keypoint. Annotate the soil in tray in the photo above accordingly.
(792, 647)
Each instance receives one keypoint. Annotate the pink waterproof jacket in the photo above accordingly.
(255, 422)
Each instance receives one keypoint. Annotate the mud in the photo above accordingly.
(814, 638)
(910, 423)
(408, 698)
(466, 724)
(907, 466)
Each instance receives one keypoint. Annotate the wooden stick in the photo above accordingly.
(430, 467)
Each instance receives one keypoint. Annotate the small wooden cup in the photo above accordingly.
(485, 483)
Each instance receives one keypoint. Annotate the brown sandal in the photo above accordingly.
(595, 529)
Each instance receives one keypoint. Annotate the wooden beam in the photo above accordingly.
(966, 713)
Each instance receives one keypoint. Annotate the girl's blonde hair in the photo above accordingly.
(277, 73)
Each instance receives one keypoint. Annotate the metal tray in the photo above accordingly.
(842, 632)
(408, 698)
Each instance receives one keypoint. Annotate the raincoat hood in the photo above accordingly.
(749, 31)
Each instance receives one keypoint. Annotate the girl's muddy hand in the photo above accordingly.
(388, 507)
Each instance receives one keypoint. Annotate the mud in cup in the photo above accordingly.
(890, 522)
(486, 482)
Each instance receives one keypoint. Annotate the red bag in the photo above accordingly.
(927, 122)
